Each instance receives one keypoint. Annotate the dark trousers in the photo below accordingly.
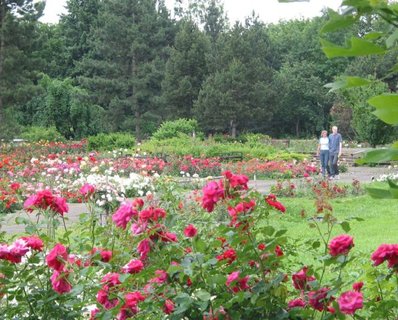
(324, 157)
(334, 169)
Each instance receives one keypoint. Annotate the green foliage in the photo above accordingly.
(65, 107)
(185, 145)
(253, 139)
(186, 69)
(373, 42)
(111, 141)
(170, 129)
(364, 122)
(9, 127)
(35, 134)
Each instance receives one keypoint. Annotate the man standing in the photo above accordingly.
(335, 147)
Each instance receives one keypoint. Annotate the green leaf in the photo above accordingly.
(316, 244)
(358, 47)
(391, 40)
(280, 233)
(347, 82)
(393, 189)
(21, 220)
(386, 107)
(203, 295)
(337, 22)
(268, 230)
(373, 35)
(345, 226)
(379, 193)
(377, 156)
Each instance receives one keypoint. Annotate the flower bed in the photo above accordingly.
(220, 258)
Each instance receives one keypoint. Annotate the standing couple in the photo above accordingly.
(329, 150)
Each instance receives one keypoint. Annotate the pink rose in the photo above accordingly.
(144, 248)
(350, 301)
(386, 252)
(296, 303)
(56, 257)
(212, 193)
(318, 299)
(59, 282)
(34, 243)
(168, 307)
(232, 277)
(134, 266)
(124, 214)
(340, 245)
(87, 189)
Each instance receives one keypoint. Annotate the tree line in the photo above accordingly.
(127, 65)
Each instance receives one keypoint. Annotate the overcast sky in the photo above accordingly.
(268, 10)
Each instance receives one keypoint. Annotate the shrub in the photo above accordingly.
(35, 134)
(254, 139)
(111, 141)
(170, 129)
(183, 145)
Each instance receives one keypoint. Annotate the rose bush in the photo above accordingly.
(213, 254)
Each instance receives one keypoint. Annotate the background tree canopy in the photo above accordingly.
(123, 65)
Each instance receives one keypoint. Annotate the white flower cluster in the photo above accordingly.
(116, 188)
(389, 176)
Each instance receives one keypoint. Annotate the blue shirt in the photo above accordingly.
(334, 142)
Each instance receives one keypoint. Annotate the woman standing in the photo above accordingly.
(323, 151)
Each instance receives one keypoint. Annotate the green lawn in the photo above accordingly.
(379, 225)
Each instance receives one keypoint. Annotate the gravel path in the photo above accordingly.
(363, 174)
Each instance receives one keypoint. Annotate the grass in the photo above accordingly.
(379, 225)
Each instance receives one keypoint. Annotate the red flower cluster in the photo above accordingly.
(106, 255)
(271, 200)
(236, 181)
(319, 299)
(301, 279)
(340, 245)
(386, 252)
(46, 200)
(19, 248)
(242, 207)
(109, 289)
(240, 284)
(130, 307)
(229, 255)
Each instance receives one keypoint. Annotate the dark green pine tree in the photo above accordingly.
(239, 95)
(18, 53)
(185, 71)
(123, 70)
(75, 28)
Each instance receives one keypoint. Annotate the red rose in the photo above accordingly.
(190, 231)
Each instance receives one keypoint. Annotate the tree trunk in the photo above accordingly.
(233, 129)
(137, 126)
(298, 128)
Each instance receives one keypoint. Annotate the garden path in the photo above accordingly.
(363, 174)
